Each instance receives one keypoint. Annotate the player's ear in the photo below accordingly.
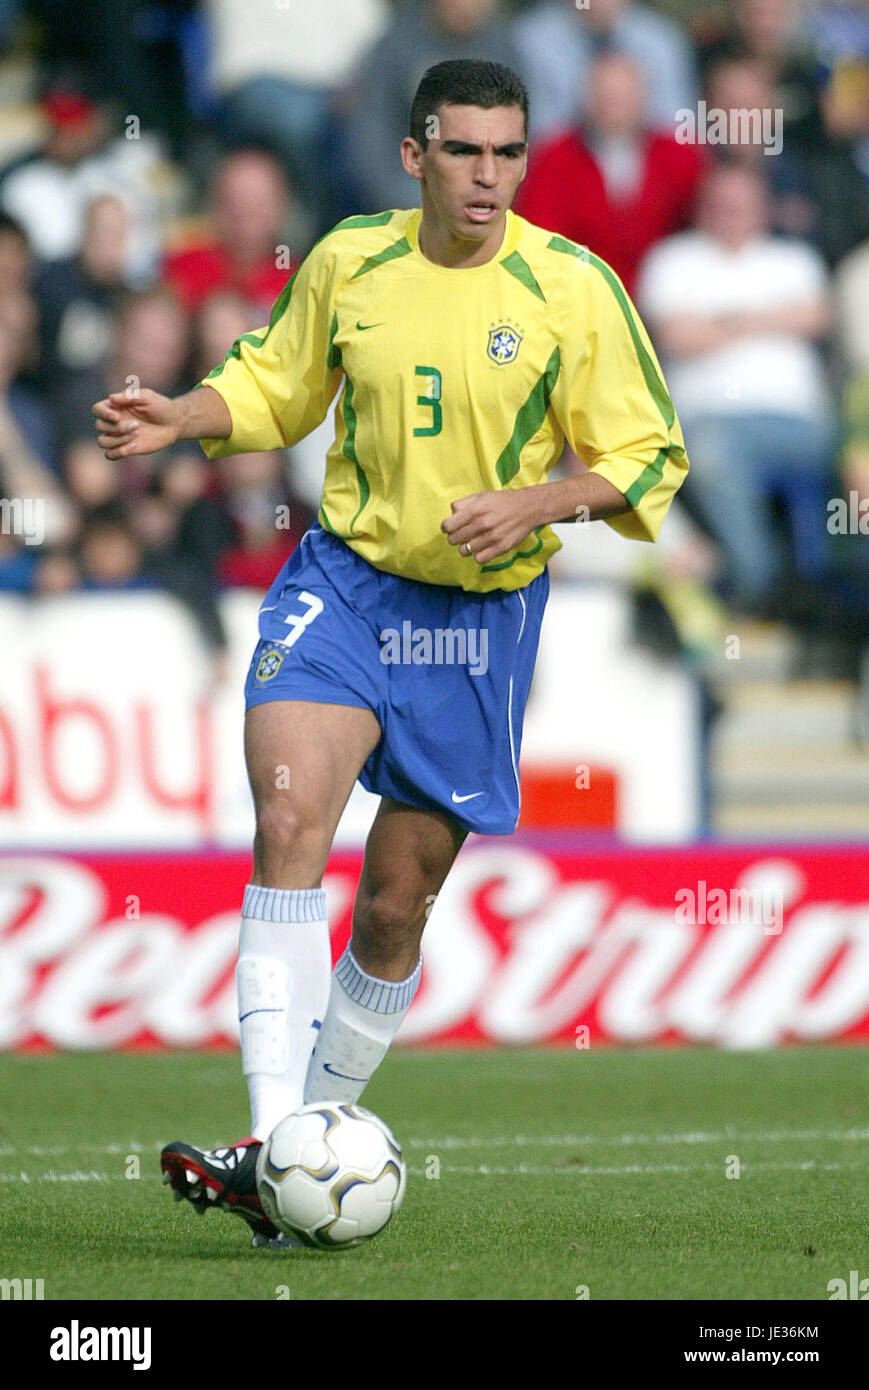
(411, 157)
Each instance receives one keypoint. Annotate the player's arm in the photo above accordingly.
(147, 422)
(491, 523)
(273, 387)
(613, 404)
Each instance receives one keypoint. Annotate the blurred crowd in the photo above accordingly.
(180, 158)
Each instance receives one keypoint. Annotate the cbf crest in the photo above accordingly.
(269, 665)
(503, 345)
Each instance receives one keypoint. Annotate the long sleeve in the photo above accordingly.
(279, 381)
(612, 402)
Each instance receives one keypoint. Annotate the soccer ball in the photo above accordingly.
(331, 1174)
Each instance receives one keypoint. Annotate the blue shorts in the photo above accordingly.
(446, 673)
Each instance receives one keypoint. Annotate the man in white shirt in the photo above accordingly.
(737, 314)
(276, 66)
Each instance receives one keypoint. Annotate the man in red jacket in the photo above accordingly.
(251, 205)
(612, 184)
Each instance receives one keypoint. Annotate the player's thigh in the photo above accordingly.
(306, 756)
(408, 854)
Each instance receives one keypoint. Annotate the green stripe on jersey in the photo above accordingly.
(235, 351)
(349, 450)
(519, 268)
(529, 419)
(256, 340)
(390, 253)
(570, 248)
(329, 526)
(651, 474)
(657, 389)
(333, 356)
(376, 219)
(520, 554)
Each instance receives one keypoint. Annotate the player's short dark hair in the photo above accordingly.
(465, 82)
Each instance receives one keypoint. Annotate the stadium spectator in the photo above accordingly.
(246, 253)
(737, 313)
(268, 521)
(276, 68)
(43, 513)
(155, 522)
(129, 549)
(151, 343)
(422, 33)
(188, 483)
(46, 189)
(110, 554)
(741, 89)
(22, 411)
(77, 296)
(838, 166)
(559, 40)
(612, 184)
(774, 34)
(57, 572)
(141, 56)
(91, 480)
(222, 319)
(19, 349)
(49, 190)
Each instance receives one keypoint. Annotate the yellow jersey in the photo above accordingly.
(454, 381)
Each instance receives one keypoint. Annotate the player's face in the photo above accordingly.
(471, 168)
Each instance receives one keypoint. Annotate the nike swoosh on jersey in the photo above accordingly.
(327, 1066)
(363, 326)
(469, 797)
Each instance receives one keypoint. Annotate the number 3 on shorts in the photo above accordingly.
(298, 622)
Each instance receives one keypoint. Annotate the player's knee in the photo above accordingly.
(387, 922)
(387, 930)
(287, 833)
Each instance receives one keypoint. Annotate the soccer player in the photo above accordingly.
(397, 643)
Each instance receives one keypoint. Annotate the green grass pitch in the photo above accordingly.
(558, 1169)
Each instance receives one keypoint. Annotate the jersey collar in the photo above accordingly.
(512, 232)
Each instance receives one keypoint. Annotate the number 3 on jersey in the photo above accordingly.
(298, 622)
(431, 400)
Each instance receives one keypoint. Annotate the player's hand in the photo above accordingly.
(140, 424)
(486, 524)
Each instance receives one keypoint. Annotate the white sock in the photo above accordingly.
(283, 972)
(363, 1017)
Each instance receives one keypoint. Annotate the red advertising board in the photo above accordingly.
(529, 941)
